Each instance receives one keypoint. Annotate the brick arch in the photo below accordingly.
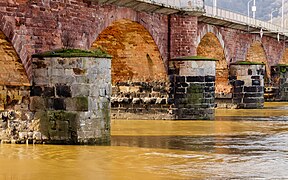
(12, 71)
(136, 57)
(155, 24)
(211, 47)
(7, 28)
(256, 53)
(204, 29)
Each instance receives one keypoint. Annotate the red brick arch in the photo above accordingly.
(203, 30)
(211, 47)
(37, 26)
(257, 53)
(155, 24)
(7, 26)
(12, 71)
(136, 56)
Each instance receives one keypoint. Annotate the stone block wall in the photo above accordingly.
(71, 99)
(194, 88)
(248, 85)
(141, 100)
(279, 77)
(16, 118)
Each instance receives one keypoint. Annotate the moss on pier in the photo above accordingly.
(194, 58)
(66, 53)
(247, 63)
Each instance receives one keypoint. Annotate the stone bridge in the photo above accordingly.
(142, 36)
(36, 26)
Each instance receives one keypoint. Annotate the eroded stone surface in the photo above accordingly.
(71, 100)
(248, 85)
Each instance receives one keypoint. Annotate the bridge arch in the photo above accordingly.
(256, 53)
(12, 70)
(7, 28)
(136, 57)
(214, 30)
(210, 46)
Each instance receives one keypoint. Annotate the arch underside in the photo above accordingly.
(211, 47)
(12, 71)
(136, 57)
(256, 53)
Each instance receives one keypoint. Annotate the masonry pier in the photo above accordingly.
(247, 79)
(193, 83)
(69, 101)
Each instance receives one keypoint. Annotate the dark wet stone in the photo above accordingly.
(49, 92)
(210, 78)
(239, 83)
(63, 91)
(58, 104)
(195, 78)
(36, 91)
(180, 79)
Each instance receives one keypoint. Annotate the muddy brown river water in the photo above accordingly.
(239, 144)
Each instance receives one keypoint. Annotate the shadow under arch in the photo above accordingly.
(12, 71)
(136, 57)
(211, 47)
(256, 53)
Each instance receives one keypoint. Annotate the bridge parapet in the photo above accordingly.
(190, 7)
(243, 22)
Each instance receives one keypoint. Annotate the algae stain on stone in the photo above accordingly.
(82, 103)
(194, 96)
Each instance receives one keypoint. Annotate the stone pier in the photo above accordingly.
(71, 95)
(193, 84)
(247, 79)
(279, 77)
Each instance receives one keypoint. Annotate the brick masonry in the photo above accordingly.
(12, 71)
(236, 44)
(37, 26)
(211, 47)
(136, 57)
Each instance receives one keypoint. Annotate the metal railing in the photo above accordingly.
(243, 19)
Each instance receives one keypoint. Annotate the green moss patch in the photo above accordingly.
(66, 53)
(247, 63)
(82, 103)
(194, 58)
(282, 65)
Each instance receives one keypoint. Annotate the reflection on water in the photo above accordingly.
(239, 144)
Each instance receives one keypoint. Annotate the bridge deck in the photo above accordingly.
(194, 7)
(206, 14)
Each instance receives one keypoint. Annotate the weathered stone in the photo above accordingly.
(37, 103)
(36, 91)
(77, 104)
(63, 91)
(49, 92)
(248, 91)
(59, 104)
(80, 90)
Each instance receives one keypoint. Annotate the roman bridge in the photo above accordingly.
(130, 30)
(57, 100)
